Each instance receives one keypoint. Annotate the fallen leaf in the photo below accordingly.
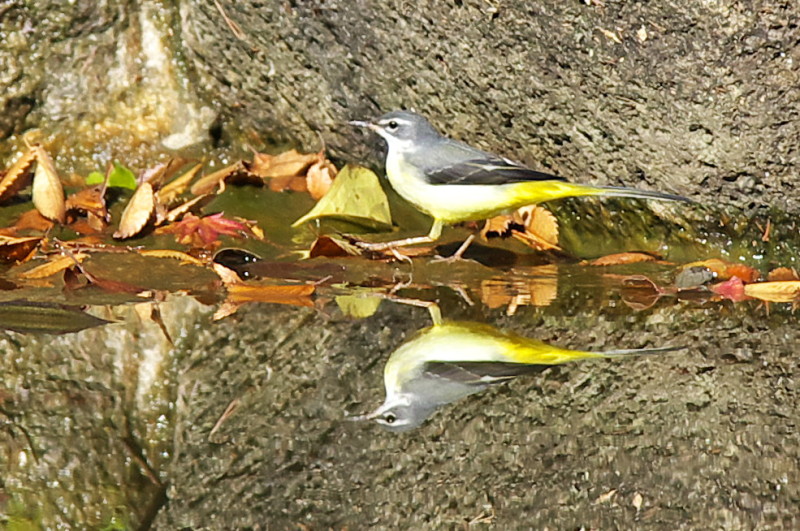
(17, 176)
(733, 289)
(158, 174)
(92, 203)
(533, 225)
(783, 273)
(205, 231)
(331, 247)
(623, 258)
(192, 205)
(31, 220)
(174, 255)
(48, 193)
(725, 270)
(319, 178)
(118, 177)
(17, 250)
(355, 196)
(236, 172)
(138, 212)
(168, 194)
(290, 163)
(53, 267)
(779, 291)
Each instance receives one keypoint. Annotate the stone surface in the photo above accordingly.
(696, 98)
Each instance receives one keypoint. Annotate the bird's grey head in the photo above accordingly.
(399, 414)
(402, 129)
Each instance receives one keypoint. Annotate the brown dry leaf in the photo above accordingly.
(623, 259)
(331, 247)
(48, 193)
(227, 275)
(159, 173)
(54, 266)
(88, 200)
(169, 193)
(783, 273)
(31, 220)
(779, 291)
(533, 225)
(319, 178)
(541, 228)
(174, 255)
(17, 249)
(236, 172)
(193, 205)
(290, 163)
(138, 212)
(17, 176)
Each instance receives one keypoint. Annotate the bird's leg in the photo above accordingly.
(459, 254)
(433, 235)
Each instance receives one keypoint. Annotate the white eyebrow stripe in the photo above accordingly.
(402, 121)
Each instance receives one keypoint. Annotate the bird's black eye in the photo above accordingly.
(389, 418)
(392, 126)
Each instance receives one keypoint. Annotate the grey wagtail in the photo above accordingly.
(453, 182)
(452, 360)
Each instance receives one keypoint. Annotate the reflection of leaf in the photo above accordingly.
(783, 273)
(357, 306)
(48, 194)
(355, 196)
(540, 290)
(240, 293)
(725, 270)
(17, 176)
(623, 259)
(781, 291)
(199, 232)
(120, 177)
(38, 317)
(732, 289)
(138, 212)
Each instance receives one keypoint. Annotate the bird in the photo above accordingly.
(454, 182)
(454, 359)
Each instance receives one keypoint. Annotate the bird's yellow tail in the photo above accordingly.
(541, 191)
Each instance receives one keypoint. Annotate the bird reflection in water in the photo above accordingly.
(451, 360)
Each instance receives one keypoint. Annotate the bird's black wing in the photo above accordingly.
(452, 162)
(479, 373)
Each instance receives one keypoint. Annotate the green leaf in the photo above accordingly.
(356, 196)
(121, 177)
(358, 306)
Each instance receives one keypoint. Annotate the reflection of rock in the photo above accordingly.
(449, 361)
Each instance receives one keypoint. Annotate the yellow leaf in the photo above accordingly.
(779, 291)
(357, 306)
(175, 255)
(55, 266)
(355, 196)
(138, 212)
(176, 187)
(17, 176)
(48, 194)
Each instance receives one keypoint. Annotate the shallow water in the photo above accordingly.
(244, 422)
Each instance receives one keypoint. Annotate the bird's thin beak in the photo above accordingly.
(359, 123)
(369, 416)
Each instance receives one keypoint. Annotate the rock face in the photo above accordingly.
(696, 98)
